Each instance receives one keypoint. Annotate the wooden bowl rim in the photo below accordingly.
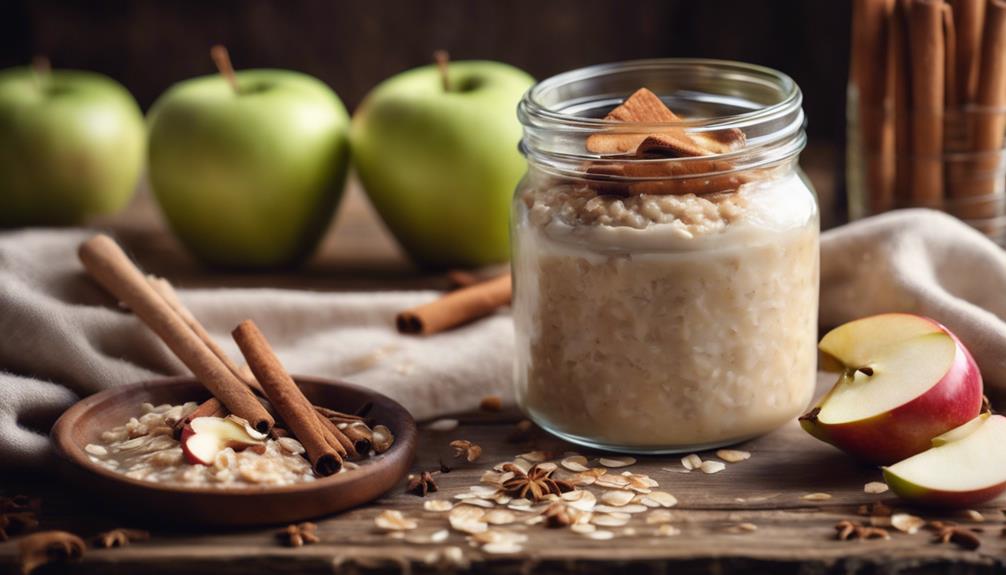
(406, 435)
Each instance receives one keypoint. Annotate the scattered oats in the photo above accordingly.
(520, 504)
(575, 463)
(534, 520)
(502, 498)
(907, 523)
(499, 517)
(437, 505)
(816, 497)
(599, 535)
(711, 466)
(607, 520)
(534, 456)
(396, 534)
(733, 455)
(393, 520)
(633, 508)
(438, 536)
(691, 461)
(617, 498)
(502, 548)
(617, 461)
(875, 487)
(629, 531)
(478, 503)
(467, 495)
(743, 528)
(443, 425)
(483, 490)
(668, 530)
(612, 482)
(467, 519)
(972, 515)
(658, 516)
(548, 466)
(95, 449)
(583, 528)
(493, 477)
(580, 500)
(661, 498)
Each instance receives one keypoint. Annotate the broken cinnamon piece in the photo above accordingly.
(457, 307)
(645, 107)
(120, 537)
(49, 547)
(105, 261)
(288, 400)
(360, 435)
(464, 449)
(300, 534)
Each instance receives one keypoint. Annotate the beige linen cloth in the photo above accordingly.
(61, 340)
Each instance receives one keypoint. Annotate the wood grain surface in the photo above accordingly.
(793, 535)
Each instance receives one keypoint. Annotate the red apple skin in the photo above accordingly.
(184, 441)
(909, 429)
(942, 499)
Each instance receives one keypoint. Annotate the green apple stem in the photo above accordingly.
(41, 70)
(442, 58)
(223, 61)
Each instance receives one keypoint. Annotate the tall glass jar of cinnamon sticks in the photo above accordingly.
(927, 109)
(665, 255)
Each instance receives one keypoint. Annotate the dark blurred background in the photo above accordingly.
(353, 45)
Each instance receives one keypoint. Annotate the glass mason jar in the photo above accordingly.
(650, 318)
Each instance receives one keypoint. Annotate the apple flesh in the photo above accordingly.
(965, 466)
(71, 146)
(249, 179)
(204, 437)
(441, 166)
(905, 379)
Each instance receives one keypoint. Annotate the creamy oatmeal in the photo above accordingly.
(665, 322)
(145, 448)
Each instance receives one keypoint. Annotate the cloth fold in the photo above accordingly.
(62, 337)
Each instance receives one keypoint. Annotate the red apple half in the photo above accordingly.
(965, 466)
(904, 380)
(204, 437)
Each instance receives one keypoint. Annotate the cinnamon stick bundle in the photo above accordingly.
(105, 261)
(869, 72)
(288, 400)
(457, 307)
(990, 96)
(926, 35)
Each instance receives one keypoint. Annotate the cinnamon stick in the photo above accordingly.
(167, 291)
(105, 261)
(926, 36)
(900, 87)
(969, 16)
(297, 412)
(457, 307)
(360, 435)
(990, 97)
(870, 76)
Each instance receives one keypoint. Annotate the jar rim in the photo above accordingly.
(765, 104)
(532, 107)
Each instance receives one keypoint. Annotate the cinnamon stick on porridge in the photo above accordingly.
(105, 261)
(295, 409)
(456, 308)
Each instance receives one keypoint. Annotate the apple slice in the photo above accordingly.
(904, 380)
(965, 467)
(204, 437)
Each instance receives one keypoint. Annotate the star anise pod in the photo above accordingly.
(120, 537)
(299, 534)
(962, 536)
(421, 484)
(464, 449)
(16, 522)
(535, 484)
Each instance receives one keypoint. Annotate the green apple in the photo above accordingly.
(71, 146)
(249, 178)
(441, 165)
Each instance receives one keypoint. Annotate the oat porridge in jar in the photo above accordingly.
(665, 260)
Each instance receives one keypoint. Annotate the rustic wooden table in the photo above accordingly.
(751, 517)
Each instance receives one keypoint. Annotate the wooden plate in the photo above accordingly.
(158, 503)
